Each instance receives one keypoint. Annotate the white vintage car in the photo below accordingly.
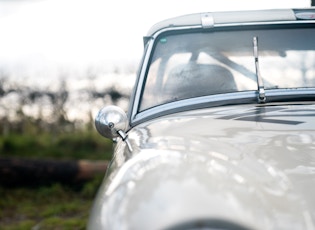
(220, 133)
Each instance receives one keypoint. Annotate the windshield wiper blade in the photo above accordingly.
(260, 83)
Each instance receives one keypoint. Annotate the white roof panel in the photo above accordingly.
(226, 18)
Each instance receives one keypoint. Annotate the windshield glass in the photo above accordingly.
(198, 64)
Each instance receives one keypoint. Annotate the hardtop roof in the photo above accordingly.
(228, 17)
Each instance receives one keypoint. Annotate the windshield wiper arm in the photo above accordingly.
(260, 83)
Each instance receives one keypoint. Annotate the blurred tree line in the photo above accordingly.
(34, 110)
(56, 119)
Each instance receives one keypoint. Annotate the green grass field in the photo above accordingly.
(51, 207)
(54, 206)
(79, 145)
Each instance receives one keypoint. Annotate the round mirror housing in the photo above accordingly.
(110, 120)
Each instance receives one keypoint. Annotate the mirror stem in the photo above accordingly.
(124, 137)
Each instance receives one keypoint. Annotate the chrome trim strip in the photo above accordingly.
(245, 97)
(196, 103)
(291, 92)
(140, 82)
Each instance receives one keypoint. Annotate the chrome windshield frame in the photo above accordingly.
(136, 117)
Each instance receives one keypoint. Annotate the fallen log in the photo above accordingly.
(16, 172)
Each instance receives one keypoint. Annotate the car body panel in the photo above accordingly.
(257, 170)
(221, 161)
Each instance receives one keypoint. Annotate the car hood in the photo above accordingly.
(245, 165)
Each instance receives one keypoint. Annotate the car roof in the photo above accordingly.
(210, 19)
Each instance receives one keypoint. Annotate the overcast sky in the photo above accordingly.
(42, 35)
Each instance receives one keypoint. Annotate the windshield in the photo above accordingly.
(198, 64)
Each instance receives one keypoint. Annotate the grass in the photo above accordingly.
(56, 206)
(51, 207)
(80, 145)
